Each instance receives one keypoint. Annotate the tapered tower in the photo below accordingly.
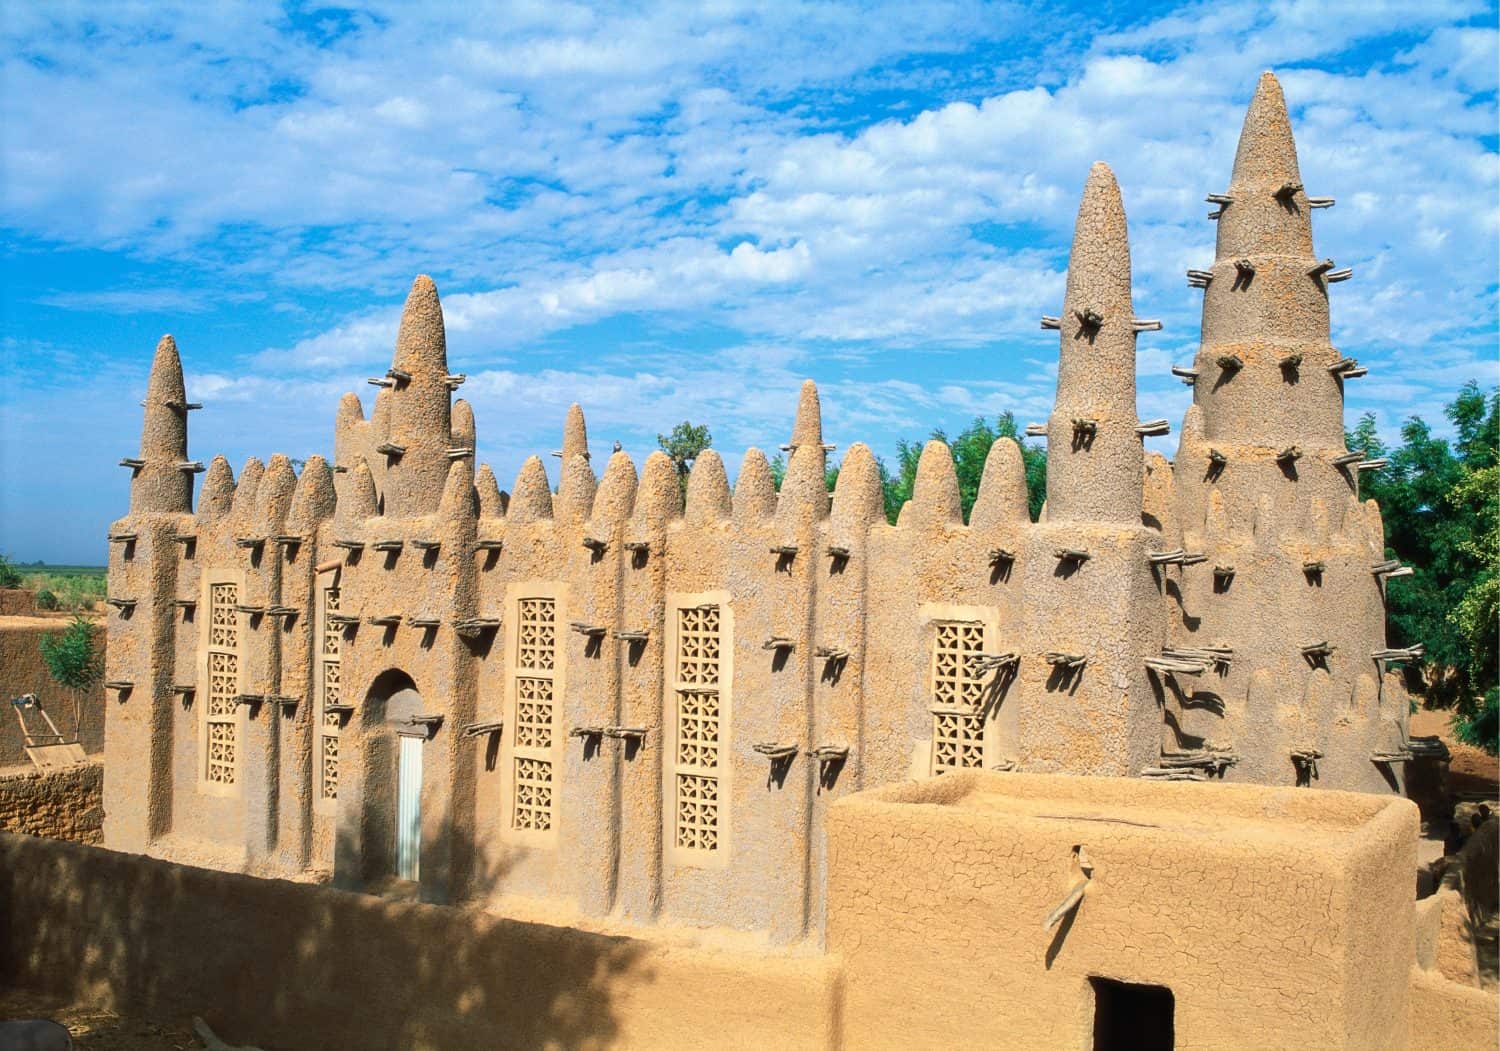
(1281, 597)
(1091, 605)
(1094, 453)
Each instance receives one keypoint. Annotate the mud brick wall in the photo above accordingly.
(279, 964)
(22, 670)
(62, 804)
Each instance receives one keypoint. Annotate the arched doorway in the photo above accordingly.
(393, 752)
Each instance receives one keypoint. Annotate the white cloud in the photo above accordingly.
(736, 177)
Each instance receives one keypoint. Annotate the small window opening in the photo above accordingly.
(1131, 1017)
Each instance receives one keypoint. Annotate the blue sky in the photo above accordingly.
(679, 212)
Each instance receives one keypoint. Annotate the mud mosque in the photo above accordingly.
(595, 692)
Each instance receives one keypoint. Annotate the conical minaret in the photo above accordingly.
(1092, 614)
(162, 481)
(421, 425)
(1285, 576)
(1266, 374)
(1093, 451)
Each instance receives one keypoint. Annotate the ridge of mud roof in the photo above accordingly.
(1129, 802)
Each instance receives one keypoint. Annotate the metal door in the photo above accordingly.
(409, 809)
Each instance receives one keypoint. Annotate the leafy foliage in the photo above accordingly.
(75, 587)
(74, 661)
(970, 450)
(1441, 505)
(10, 577)
(684, 444)
(46, 600)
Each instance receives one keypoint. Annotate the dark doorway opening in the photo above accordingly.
(1131, 1017)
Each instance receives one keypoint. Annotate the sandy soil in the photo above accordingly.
(1472, 773)
(46, 620)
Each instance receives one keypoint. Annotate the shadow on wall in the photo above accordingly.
(281, 964)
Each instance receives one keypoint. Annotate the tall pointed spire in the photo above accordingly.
(575, 435)
(1266, 150)
(1265, 368)
(1094, 457)
(808, 427)
(421, 424)
(464, 434)
(1268, 209)
(804, 487)
(422, 342)
(572, 486)
(161, 484)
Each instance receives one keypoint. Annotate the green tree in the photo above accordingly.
(1438, 500)
(74, 661)
(1478, 613)
(970, 451)
(684, 445)
(10, 577)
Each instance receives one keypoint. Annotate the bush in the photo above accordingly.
(45, 599)
(10, 577)
(1481, 728)
(75, 661)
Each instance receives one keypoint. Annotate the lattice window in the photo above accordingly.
(698, 646)
(697, 728)
(330, 690)
(957, 741)
(223, 684)
(535, 714)
(533, 792)
(538, 635)
(697, 812)
(958, 696)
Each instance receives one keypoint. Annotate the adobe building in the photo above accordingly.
(592, 692)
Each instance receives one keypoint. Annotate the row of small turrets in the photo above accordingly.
(1261, 490)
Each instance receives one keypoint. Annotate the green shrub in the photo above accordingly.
(10, 577)
(45, 599)
(75, 661)
(1481, 727)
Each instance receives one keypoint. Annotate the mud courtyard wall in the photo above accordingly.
(1275, 917)
(22, 671)
(297, 965)
(59, 804)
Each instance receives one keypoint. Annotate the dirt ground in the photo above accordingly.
(95, 1029)
(1472, 773)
